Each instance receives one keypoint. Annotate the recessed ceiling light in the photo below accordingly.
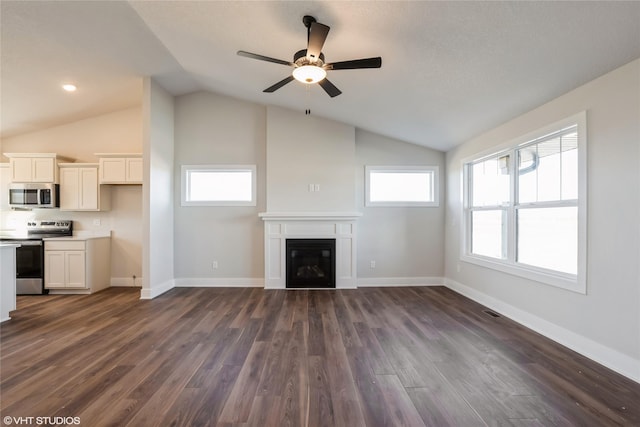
(69, 87)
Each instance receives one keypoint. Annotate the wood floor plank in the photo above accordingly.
(250, 357)
(375, 408)
(443, 407)
(238, 405)
(402, 411)
(346, 403)
(376, 356)
(294, 379)
(320, 406)
(214, 397)
(159, 401)
(262, 413)
(276, 363)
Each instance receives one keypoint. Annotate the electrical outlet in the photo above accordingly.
(214, 264)
(373, 264)
(96, 222)
(316, 187)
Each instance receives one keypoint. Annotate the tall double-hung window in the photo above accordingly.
(525, 206)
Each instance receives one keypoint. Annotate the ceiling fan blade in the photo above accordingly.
(278, 85)
(355, 64)
(317, 36)
(330, 88)
(264, 58)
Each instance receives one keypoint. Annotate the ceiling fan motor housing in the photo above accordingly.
(300, 59)
(307, 20)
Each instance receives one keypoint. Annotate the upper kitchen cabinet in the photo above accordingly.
(35, 167)
(120, 168)
(79, 188)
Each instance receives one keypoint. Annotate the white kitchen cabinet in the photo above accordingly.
(79, 188)
(134, 170)
(119, 168)
(65, 269)
(5, 179)
(34, 167)
(7, 280)
(77, 266)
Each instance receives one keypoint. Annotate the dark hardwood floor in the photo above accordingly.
(249, 357)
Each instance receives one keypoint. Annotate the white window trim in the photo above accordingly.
(221, 168)
(434, 182)
(576, 283)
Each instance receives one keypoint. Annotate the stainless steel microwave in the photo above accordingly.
(34, 195)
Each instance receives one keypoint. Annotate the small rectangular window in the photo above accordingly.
(219, 185)
(401, 186)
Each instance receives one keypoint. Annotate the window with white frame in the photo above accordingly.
(525, 206)
(218, 185)
(401, 186)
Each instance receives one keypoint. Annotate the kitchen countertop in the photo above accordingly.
(82, 235)
(9, 245)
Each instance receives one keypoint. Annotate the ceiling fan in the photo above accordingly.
(308, 64)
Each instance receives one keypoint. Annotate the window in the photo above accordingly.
(525, 206)
(401, 186)
(219, 185)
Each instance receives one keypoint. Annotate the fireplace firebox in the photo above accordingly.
(311, 263)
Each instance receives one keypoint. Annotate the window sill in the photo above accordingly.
(558, 280)
(221, 203)
(370, 204)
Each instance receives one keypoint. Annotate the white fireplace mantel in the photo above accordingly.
(309, 216)
(280, 226)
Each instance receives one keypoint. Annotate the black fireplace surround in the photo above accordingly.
(311, 263)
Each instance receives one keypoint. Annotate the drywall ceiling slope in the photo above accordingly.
(102, 47)
(450, 70)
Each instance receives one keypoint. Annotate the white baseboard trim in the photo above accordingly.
(70, 291)
(257, 282)
(126, 282)
(612, 359)
(216, 282)
(151, 293)
(364, 282)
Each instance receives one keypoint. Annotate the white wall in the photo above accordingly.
(405, 242)
(117, 132)
(605, 323)
(302, 150)
(215, 129)
(291, 151)
(157, 209)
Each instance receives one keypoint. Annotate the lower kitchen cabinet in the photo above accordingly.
(77, 266)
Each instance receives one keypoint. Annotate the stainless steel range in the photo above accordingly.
(30, 254)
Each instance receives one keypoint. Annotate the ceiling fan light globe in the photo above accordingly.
(309, 74)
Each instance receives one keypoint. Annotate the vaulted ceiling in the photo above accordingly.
(450, 70)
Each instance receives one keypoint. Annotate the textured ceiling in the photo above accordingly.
(450, 70)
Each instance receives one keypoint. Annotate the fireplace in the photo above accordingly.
(311, 263)
(279, 227)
